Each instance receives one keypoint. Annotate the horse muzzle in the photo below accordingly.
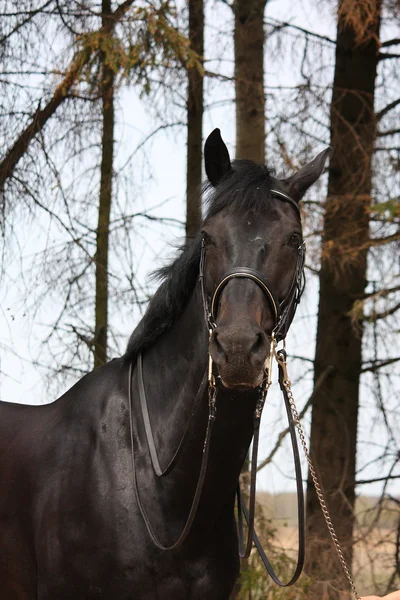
(239, 357)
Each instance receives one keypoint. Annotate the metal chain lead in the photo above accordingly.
(287, 384)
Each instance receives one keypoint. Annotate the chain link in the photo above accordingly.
(318, 488)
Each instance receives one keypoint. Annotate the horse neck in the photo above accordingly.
(174, 369)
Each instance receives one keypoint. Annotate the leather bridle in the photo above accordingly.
(283, 313)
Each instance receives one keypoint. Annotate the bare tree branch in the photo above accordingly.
(29, 16)
(366, 481)
(376, 366)
(387, 108)
(382, 293)
(388, 132)
(278, 25)
(375, 316)
(386, 55)
(285, 431)
(392, 42)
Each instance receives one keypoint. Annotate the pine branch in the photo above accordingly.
(42, 115)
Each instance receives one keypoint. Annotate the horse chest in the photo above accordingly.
(106, 554)
(168, 578)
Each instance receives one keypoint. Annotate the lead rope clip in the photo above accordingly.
(266, 384)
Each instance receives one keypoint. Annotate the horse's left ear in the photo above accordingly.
(216, 157)
(299, 183)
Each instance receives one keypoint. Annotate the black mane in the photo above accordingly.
(246, 190)
(178, 282)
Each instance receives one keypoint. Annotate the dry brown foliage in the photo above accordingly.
(360, 15)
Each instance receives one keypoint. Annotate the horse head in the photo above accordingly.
(252, 260)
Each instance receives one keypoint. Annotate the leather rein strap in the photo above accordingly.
(153, 453)
(244, 552)
(147, 426)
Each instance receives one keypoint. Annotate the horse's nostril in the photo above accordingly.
(219, 349)
(218, 344)
(258, 346)
(228, 345)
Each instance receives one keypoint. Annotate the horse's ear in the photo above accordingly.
(299, 183)
(216, 157)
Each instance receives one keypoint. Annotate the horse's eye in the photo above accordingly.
(207, 239)
(295, 240)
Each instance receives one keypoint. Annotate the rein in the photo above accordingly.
(212, 395)
(283, 313)
(244, 552)
(147, 426)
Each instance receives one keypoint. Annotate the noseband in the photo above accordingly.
(283, 312)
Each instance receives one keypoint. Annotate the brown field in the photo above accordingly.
(374, 553)
(373, 556)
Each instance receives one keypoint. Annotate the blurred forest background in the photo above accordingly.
(104, 107)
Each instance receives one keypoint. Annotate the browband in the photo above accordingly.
(286, 198)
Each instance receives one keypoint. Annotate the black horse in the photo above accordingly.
(79, 497)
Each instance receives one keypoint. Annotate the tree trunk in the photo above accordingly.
(105, 197)
(249, 79)
(342, 281)
(194, 122)
(250, 125)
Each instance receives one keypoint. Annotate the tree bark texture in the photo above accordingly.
(250, 116)
(342, 281)
(249, 79)
(194, 122)
(105, 198)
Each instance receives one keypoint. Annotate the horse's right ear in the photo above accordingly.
(216, 157)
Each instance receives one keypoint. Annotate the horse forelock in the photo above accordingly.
(245, 189)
